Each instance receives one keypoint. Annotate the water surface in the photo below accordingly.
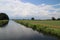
(15, 31)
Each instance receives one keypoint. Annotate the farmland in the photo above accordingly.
(47, 27)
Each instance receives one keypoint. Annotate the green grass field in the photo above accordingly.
(3, 22)
(48, 27)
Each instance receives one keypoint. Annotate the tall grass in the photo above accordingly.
(47, 27)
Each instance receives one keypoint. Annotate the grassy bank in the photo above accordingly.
(3, 22)
(48, 27)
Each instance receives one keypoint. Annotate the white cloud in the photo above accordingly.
(16, 8)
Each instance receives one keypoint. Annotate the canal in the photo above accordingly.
(15, 31)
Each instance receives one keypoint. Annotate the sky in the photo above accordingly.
(26, 9)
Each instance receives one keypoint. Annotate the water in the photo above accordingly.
(15, 31)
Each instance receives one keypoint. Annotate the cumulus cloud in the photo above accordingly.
(18, 9)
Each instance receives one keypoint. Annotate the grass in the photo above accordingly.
(3, 22)
(48, 27)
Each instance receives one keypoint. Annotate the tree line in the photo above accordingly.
(53, 18)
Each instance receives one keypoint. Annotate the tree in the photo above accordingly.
(58, 19)
(53, 18)
(3, 16)
(32, 18)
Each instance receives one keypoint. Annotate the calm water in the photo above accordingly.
(15, 31)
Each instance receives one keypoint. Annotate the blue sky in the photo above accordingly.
(39, 9)
(38, 2)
